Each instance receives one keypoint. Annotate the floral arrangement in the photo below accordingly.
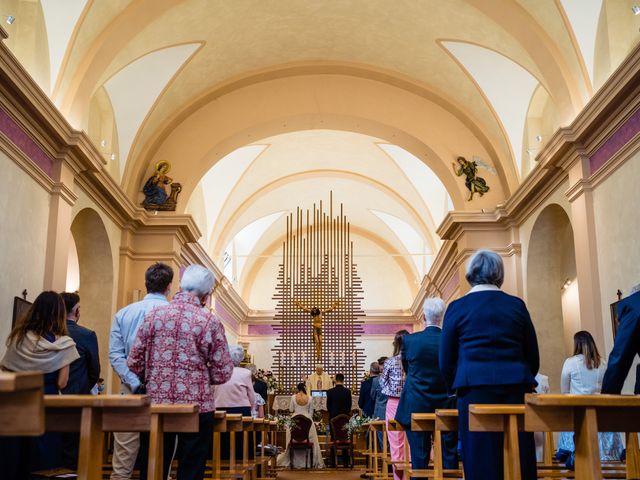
(267, 377)
(357, 422)
(282, 420)
(318, 419)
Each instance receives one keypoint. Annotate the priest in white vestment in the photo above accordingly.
(319, 380)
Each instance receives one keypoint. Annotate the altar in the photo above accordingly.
(281, 402)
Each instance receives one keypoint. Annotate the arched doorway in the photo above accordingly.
(552, 289)
(95, 264)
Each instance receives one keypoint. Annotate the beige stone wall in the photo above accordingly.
(618, 240)
(24, 216)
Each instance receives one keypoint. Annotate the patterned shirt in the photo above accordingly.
(180, 351)
(392, 378)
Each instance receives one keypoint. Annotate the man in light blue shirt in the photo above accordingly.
(126, 322)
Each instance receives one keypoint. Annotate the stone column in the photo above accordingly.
(584, 236)
(59, 230)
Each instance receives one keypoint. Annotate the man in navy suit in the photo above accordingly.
(626, 345)
(424, 389)
(489, 354)
(365, 400)
(83, 372)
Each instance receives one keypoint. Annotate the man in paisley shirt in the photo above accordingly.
(180, 352)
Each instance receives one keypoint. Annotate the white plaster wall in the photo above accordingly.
(618, 241)
(232, 338)
(260, 350)
(24, 212)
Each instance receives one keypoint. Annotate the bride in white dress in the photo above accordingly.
(301, 404)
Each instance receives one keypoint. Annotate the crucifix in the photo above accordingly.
(316, 319)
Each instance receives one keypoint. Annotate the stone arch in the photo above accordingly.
(305, 102)
(552, 289)
(95, 263)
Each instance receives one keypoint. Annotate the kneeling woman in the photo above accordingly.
(301, 404)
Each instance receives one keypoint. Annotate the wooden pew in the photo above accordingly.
(585, 415)
(248, 467)
(443, 420)
(21, 404)
(219, 425)
(91, 415)
(508, 419)
(380, 458)
(404, 464)
(181, 418)
(234, 426)
(272, 435)
(426, 422)
(446, 421)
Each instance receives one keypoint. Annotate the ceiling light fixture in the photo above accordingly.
(103, 143)
(531, 151)
(113, 156)
(539, 138)
(566, 284)
(636, 10)
(10, 19)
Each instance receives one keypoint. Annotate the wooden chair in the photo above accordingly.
(21, 404)
(340, 439)
(91, 415)
(300, 439)
(585, 415)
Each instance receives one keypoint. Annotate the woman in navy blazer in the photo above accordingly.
(489, 354)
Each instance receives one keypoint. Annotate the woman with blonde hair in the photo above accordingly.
(582, 374)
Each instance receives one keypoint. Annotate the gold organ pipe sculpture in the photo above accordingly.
(319, 316)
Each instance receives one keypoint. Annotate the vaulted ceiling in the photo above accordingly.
(264, 105)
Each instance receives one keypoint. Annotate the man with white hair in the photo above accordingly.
(180, 352)
(319, 380)
(424, 389)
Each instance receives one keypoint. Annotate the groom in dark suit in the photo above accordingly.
(424, 389)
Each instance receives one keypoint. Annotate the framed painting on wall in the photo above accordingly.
(20, 308)
(614, 313)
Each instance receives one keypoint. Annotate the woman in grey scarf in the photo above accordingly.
(39, 342)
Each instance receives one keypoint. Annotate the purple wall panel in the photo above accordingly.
(629, 129)
(25, 143)
(226, 317)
